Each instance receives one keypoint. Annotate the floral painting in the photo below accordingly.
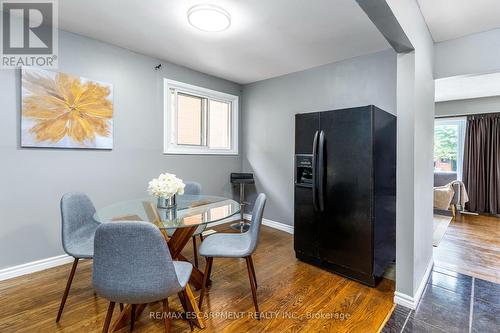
(65, 111)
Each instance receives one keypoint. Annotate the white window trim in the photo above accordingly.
(462, 123)
(169, 145)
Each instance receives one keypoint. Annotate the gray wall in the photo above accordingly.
(478, 53)
(415, 103)
(270, 105)
(33, 180)
(474, 54)
(468, 106)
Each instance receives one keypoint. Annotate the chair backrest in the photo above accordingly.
(192, 188)
(257, 212)
(444, 178)
(77, 211)
(132, 263)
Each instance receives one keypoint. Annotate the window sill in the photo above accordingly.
(201, 152)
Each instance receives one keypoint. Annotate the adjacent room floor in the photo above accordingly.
(471, 245)
(462, 293)
(451, 303)
(293, 296)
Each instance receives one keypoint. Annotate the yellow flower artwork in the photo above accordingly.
(65, 111)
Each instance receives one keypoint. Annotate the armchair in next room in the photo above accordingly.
(441, 180)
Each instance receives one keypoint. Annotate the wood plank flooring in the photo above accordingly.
(293, 297)
(471, 246)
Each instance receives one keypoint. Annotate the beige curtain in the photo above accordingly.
(481, 169)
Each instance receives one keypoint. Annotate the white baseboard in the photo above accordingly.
(34, 266)
(270, 223)
(273, 224)
(409, 301)
(404, 300)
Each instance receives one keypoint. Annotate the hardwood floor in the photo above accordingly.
(471, 246)
(293, 297)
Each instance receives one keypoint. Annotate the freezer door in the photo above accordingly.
(345, 229)
(306, 240)
(306, 125)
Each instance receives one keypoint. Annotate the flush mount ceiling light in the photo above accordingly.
(209, 18)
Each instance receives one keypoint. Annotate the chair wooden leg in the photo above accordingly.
(132, 317)
(121, 307)
(180, 295)
(166, 315)
(209, 271)
(66, 291)
(182, 299)
(208, 268)
(195, 252)
(109, 314)
(253, 270)
(252, 285)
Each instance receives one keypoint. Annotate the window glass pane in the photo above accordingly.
(219, 125)
(446, 147)
(189, 120)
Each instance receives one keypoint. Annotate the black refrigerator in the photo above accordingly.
(345, 191)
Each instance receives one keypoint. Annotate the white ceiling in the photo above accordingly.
(267, 38)
(467, 86)
(448, 19)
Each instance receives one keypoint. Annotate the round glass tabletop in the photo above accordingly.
(190, 211)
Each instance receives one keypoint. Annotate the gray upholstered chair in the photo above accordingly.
(193, 188)
(442, 178)
(235, 245)
(78, 229)
(133, 265)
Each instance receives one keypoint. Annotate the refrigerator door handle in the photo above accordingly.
(314, 170)
(321, 171)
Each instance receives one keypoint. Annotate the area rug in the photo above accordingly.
(441, 223)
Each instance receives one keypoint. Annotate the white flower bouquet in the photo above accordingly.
(166, 186)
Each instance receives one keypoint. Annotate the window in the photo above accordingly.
(449, 136)
(199, 120)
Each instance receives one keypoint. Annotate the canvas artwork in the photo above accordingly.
(60, 110)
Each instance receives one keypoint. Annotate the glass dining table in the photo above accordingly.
(190, 212)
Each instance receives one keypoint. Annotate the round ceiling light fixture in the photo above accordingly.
(209, 18)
